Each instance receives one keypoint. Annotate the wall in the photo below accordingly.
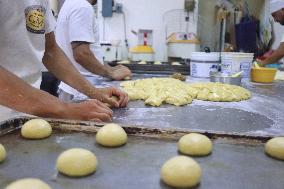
(207, 28)
(141, 14)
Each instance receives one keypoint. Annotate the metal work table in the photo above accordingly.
(261, 115)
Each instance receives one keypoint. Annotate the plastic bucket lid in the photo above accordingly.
(205, 57)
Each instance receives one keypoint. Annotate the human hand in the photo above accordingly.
(120, 72)
(105, 95)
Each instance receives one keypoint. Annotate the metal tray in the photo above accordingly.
(237, 161)
(151, 68)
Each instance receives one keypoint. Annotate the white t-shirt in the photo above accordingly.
(23, 25)
(77, 22)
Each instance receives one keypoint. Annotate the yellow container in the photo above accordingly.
(263, 75)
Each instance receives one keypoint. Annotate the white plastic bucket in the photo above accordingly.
(201, 63)
(232, 63)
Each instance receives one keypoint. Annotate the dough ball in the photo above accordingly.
(2, 153)
(275, 148)
(195, 144)
(36, 129)
(127, 78)
(113, 98)
(76, 162)
(111, 135)
(181, 171)
(31, 183)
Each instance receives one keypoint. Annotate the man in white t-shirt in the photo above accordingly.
(277, 12)
(26, 40)
(77, 34)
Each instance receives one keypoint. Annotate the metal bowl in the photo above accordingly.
(226, 79)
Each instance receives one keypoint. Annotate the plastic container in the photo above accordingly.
(232, 63)
(201, 63)
(263, 75)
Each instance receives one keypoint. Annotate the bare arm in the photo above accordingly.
(20, 96)
(56, 62)
(85, 57)
(276, 55)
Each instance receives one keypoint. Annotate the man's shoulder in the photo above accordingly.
(72, 5)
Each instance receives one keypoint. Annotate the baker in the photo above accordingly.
(26, 40)
(77, 33)
(277, 12)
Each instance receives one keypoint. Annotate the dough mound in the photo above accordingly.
(2, 153)
(156, 91)
(219, 92)
(36, 129)
(31, 183)
(111, 135)
(275, 148)
(76, 162)
(181, 172)
(195, 144)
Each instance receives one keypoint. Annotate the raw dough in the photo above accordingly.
(142, 62)
(113, 98)
(28, 183)
(181, 171)
(157, 63)
(2, 153)
(195, 144)
(275, 148)
(77, 162)
(36, 129)
(111, 135)
(176, 64)
(279, 75)
(156, 91)
(124, 62)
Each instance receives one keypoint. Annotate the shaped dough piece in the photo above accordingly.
(111, 135)
(76, 162)
(181, 172)
(195, 144)
(275, 148)
(2, 153)
(28, 183)
(36, 129)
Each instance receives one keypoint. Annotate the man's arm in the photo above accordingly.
(20, 96)
(85, 57)
(276, 55)
(57, 62)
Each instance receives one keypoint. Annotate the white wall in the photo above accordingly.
(142, 14)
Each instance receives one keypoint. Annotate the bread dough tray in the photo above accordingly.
(151, 68)
(237, 161)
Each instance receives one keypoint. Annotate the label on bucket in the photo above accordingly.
(201, 69)
(230, 67)
(246, 68)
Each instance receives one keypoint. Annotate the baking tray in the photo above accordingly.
(151, 68)
(237, 161)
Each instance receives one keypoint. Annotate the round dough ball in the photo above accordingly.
(195, 144)
(36, 129)
(28, 183)
(77, 162)
(111, 135)
(2, 153)
(275, 148)
(181, 172)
